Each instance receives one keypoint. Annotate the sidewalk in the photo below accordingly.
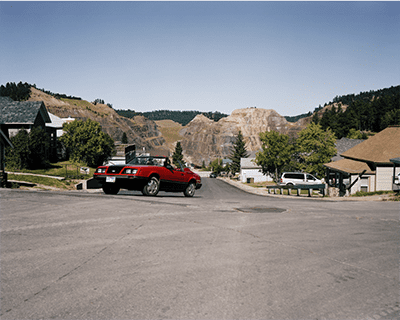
(37, 175)
(264, 192)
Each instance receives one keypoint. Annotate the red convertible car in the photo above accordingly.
(148, 175)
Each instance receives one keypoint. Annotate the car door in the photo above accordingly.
(171, 177)
(310, 179)
(181, 174)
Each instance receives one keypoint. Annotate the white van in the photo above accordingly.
(397, 179)
(293, 178)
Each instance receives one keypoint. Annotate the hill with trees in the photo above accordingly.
(182, 117)
(204, 139)
(138, 130)
(297, 118)
(370, 111)
(17, 92)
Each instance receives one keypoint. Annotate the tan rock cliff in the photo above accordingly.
(206, 140)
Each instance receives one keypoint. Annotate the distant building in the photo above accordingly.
(250, 171)
(226, 162)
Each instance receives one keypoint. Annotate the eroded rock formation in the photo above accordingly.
(206, 140)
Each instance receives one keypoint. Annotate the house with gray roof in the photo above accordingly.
(17, 115)
(250, 171)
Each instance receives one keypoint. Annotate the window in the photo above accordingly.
(310, 177)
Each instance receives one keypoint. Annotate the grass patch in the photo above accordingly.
(51, 182)
(65, 169)
(170, 130)
(366, 194)
(263, 184)
(70, 171)
(79, 103)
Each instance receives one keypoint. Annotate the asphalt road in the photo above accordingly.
(224, 254)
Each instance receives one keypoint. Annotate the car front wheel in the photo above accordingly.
(190, 189)
(152, 187)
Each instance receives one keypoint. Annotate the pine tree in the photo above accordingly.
(124, 138)
(177, 156)
(238, 152)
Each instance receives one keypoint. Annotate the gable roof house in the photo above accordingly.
(250, 171)
(17, 115)
(367, 166)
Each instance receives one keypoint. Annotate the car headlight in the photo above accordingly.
(101, 170)
(130, 171)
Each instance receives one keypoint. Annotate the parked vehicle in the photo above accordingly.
(397, 179)
(148, 175)
(294, 178)
(213, 175)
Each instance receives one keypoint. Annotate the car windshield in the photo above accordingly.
(150, 161)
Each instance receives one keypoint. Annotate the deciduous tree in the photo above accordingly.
(314, 147)
(216, 166)
(276, 153)
(86, 142)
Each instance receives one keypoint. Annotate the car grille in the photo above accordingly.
(115, 169)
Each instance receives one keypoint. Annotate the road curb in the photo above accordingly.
(264, 192)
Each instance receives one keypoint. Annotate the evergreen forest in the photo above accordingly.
(370, 111)
(17, 92)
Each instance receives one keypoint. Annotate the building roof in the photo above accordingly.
(395, 160)
(349, 166)
(380, 148)
(343, 145)
(248, 163)
(5, 99)
(56, 122)
(25, 112)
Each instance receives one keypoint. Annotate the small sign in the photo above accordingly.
(84, 170)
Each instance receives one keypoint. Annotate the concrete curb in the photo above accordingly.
(264, 192)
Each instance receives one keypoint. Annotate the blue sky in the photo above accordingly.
(206, 56)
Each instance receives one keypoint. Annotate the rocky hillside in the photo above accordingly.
(202, 139)
(206, 140)
(139, 130)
